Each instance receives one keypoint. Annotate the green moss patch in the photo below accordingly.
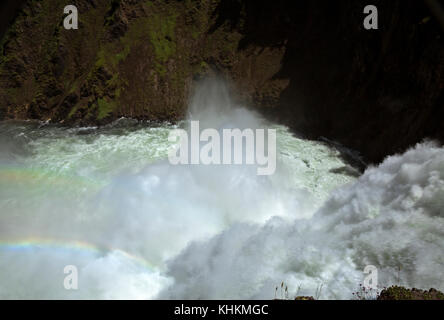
(105, 108)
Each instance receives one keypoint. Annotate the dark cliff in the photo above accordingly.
(310, 64)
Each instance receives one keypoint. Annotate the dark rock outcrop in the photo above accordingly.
(401, 293)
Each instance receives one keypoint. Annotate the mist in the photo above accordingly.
(108, 201)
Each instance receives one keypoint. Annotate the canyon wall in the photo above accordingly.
(309, 64)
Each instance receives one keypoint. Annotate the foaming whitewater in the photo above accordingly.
(107, 201)
(391, 217)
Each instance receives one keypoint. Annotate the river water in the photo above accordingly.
(107, 201)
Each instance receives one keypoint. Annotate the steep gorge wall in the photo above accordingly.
(309, 64)
(375, 91)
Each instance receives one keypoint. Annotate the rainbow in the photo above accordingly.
(35, 243)
(21, 175)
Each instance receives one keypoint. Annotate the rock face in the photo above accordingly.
(310, 64)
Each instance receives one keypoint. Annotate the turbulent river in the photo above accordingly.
(107, 201)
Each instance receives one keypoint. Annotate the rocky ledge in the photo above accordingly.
(394, 293)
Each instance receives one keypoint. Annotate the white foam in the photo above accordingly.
(392, 217)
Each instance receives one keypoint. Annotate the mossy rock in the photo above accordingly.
(401, 293)
(302, 298)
